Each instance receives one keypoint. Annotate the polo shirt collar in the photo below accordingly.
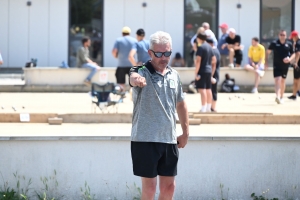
(151, 69)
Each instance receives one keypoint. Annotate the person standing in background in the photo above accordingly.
(283, 53)
(140, 48)
(223, 51)
(121, 49)
(215, 75)
(203, 72)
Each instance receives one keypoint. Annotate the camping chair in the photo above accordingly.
(106, 97)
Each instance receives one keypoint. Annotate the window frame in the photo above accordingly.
(184, 22)
(69, 34)
(260, 19)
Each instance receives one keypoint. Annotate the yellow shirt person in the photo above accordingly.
(257, 53)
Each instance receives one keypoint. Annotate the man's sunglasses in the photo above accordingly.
(160, 54)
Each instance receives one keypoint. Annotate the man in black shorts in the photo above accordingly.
(215, 72)
(283, 53)
(203, 71)
(233, 43)
(157, 96)
(296, 43)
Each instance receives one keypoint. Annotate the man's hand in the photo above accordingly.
(138, 81)
(197, 77)
(287, 60)
(223, 46)
(182, 140)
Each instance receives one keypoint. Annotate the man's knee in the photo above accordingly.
(231, 51)
(167, 189)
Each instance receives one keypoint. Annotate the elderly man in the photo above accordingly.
(256, 63)
(157, 96)
(209, 33)
(233, 43)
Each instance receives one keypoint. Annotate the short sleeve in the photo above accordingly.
(297, 47)
(180, 94)
(227, 40)
(116, 45)
(250, 52)
(199, 51)
(135, 46)
(271, 46)
(238, 39)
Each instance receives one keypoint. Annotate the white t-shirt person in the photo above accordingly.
(1, 60)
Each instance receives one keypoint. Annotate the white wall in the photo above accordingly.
(244, 20)
(4, 16)
(39, 31)
(244, 166)
(166, 15)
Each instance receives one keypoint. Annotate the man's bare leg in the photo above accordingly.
(203, 99)
(282, 87)
(278, 86)
(166, 187)
(148, 188)
(231, 56)
(296, 86)
(257, 79)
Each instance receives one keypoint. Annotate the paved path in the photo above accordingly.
(81, 103)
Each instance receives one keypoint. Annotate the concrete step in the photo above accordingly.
(127, 118)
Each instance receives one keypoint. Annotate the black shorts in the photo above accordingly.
(280, 71)
(238, 55)
(297, 73)
(150, 159)
(214, 91)
(121, 74)
(204, 82)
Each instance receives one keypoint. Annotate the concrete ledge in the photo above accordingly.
(205, 118)
(34, 117)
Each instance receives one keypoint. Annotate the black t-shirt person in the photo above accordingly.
(281, 51)
(297, 49)
(236, 39)
(205, 51)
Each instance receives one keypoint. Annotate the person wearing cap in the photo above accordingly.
(224, 52)
(84, 61)
(140, 48)
(296, 86)
(121, 50)
(233, 43)
(215, 74)
(203, 71)
(283, 53)
(256, 62)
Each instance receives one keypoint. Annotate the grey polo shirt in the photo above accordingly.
(82, 55)
(154, 112)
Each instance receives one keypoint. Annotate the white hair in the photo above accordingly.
(231, 30)
(205, 24)
(160, 37)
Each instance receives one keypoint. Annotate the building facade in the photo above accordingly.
(51, 30)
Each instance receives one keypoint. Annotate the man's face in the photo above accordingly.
(88, 43)
(254, 43)
(282, 35)
(163, 61)
(224, 30)
(231, 35)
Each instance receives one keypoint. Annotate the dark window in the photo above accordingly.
(196, 12)
(86, 19)
(275, 15)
